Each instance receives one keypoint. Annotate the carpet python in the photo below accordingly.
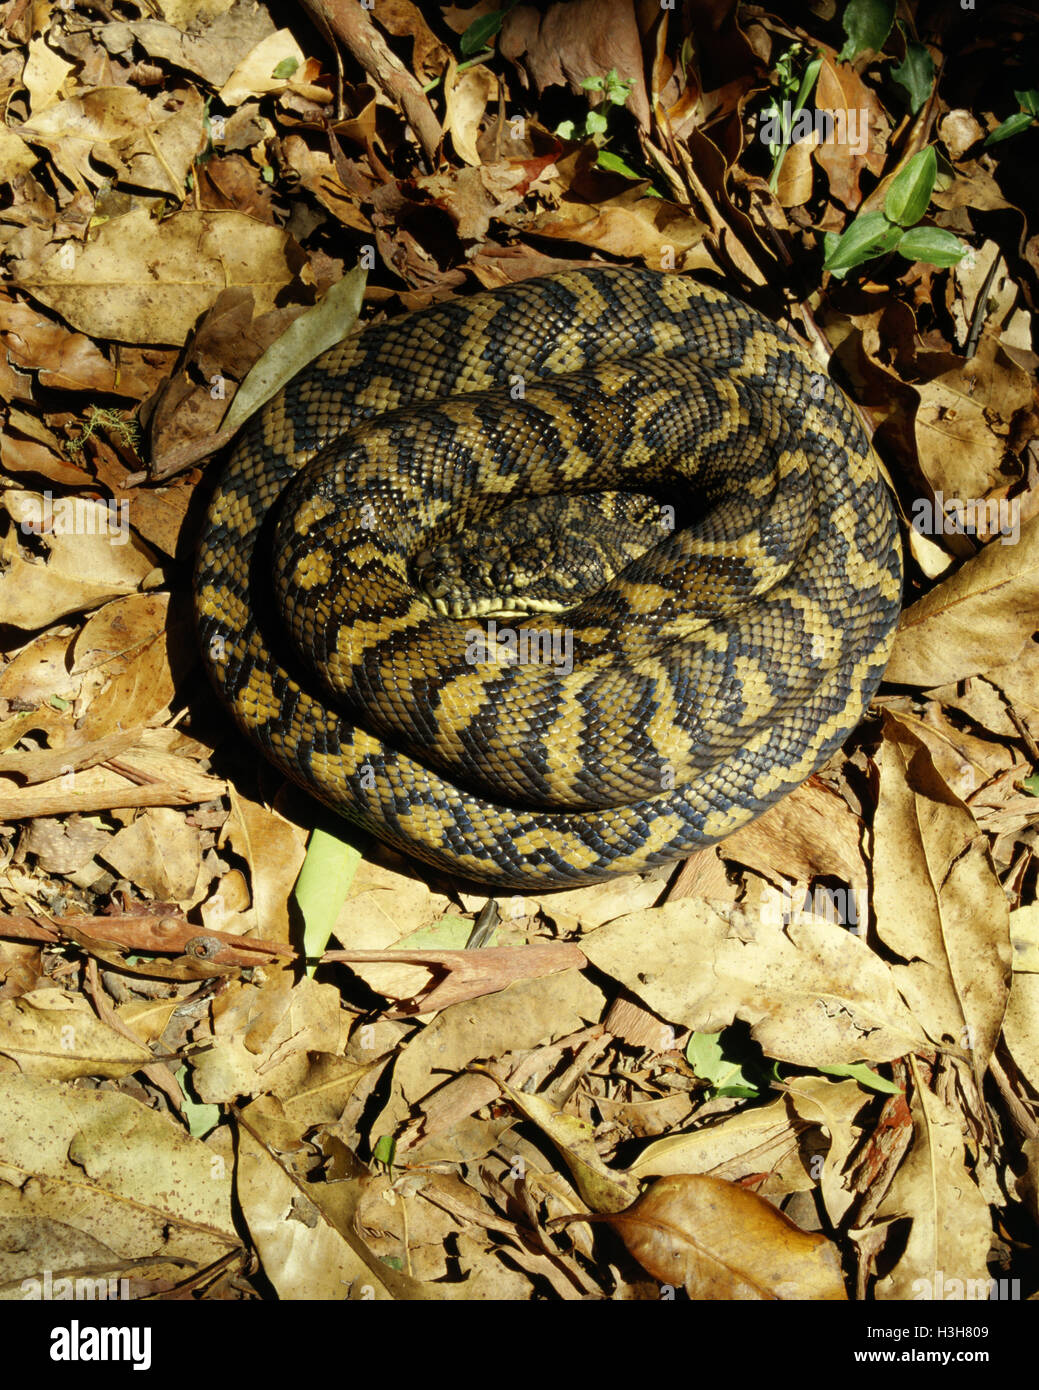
(561, 580)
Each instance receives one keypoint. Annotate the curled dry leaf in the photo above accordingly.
(722, 1242)
(603, 1188)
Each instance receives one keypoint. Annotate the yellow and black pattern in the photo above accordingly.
(706, 622)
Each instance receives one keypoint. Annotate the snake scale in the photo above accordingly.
(707, 614)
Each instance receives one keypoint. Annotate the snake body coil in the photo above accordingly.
(701, 606)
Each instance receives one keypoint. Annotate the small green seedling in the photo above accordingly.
(876, 233)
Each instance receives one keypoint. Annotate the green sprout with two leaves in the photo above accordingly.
(874, 234)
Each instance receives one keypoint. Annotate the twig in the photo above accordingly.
(350, 24)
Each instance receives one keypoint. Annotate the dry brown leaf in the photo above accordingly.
(126, 648)
(143, 281)
(27, 446)
(978, 618)
(112, 1170)
(50, 1032)
(810, 833)
(88, 558)
(963, 761)
(601, 1187)
(309, 1234)
(466, 96)
(319, 174)
(266, 1029)
(44, 74)
(779, 1143)
(405, 20)
(720, 1241)
(794, 185)
(1021, 1025)
(963, 421)
(813, 993)
(959, 130)
(303, 1255)
(273, 850)
(938, 903)
(951, 1229)
(160, 853)
(632, 226)
(569, 43)
(66, 361)
(161, 153)
(522, 1016)
(1024, 937)
(221, 36)
(866, 128)
(255, 76)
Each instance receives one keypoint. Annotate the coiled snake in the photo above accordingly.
(711, 599)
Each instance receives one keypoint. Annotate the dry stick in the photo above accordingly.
(981, 309)
(1022, 1117)
(351, 25)
(165, 934)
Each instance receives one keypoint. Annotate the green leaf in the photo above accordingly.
(867, 24)
(595, 123)
(618, 89)
(933, 245)
(1013, 125)
(593, 84)
(869, 235)
(565, 130)
(808, 81)
(786, 64)
(865, 1076)
(615, 165)
(911, 188)
(286, 68)
(1031, 784)
(385, 1150)
(916, 74)
(201, 1118)
(322, 886)
(481, 31)
(804, 91)
(707, 1059)
(1029, 101)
